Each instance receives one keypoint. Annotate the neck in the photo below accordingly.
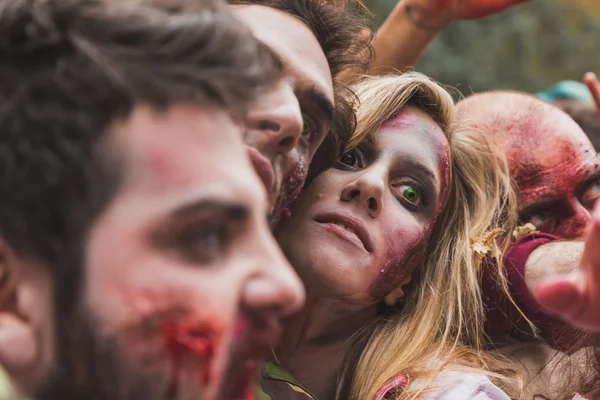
(315, 339)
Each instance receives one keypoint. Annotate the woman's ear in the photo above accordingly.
(392, 298)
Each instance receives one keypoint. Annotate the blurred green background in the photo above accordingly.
(529, 47)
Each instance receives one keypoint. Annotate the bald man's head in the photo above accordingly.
(519, 122)
(551, 159)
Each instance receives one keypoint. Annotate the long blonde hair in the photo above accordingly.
(440, 324)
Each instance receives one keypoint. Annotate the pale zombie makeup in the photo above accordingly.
(361, 228)
(287, 126)
(556, 169)
(181, 268)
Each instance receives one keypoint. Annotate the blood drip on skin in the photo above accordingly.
(554, 169)
(396, 269)
(292, 184)
(445, 180)
(187, 338)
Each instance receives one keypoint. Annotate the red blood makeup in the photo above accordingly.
(400, 264)
(188, 340)
(292, 185)
(556, 170)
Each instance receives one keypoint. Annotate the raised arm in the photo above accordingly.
(408, 30)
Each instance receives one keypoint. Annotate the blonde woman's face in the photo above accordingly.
(361, 228)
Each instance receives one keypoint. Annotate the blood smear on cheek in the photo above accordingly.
(188, 339)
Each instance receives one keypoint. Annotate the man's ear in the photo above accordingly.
(18, 342)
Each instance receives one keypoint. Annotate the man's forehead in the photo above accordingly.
(184, 144)
(187, 154)
(546, 142)
(551, 176)
(293, 41)
(177, 125)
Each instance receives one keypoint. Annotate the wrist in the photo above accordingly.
(425, 19)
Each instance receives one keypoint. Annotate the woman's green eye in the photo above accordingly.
(411, 194)
(306, 129)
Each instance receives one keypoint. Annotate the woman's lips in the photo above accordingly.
(348, 228)
(344, 233)
(263, 168)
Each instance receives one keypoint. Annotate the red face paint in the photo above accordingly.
(445, 171)
(184, 340)
(292, 186)
(399, 265)
(552, 162)
(473, 9)
(352, 233)
(408, 243)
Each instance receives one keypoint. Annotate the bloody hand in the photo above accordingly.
(463, 9)
(576, 297)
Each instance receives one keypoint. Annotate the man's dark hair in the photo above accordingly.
(338, 31)
(71, 68)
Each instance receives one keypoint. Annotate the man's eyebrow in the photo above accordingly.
(321, 101)
(233, 210)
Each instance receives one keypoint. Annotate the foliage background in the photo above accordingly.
(529, 47)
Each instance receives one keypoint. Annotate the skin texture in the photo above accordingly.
(183, 278)
(346, 275)
(464, 9)
(574, 295)
(552, 161)
(370, 189)
(291, 149)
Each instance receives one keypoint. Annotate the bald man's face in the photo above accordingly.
(556, 169)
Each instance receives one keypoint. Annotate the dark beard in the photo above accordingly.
(91, 368)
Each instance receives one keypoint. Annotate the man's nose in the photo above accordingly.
(276, 122)
(274, 285)
(575, 225)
